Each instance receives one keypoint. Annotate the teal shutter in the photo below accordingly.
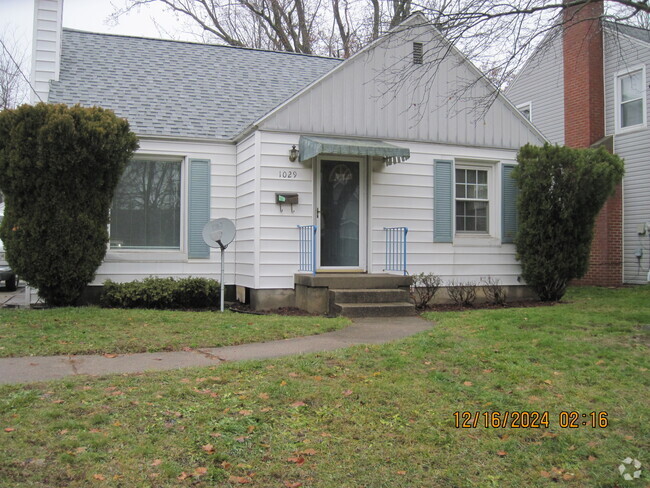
(199, 207)
(508, 204)
(443, 200)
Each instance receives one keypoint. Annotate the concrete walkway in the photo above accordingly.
(362, 331)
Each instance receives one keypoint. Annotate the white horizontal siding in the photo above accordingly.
(541, 82)
(128, 265)
(46, 48)
(380, 94)
(621, 54)
(247, 212)
(400, 195)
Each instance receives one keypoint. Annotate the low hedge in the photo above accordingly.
(162, 293)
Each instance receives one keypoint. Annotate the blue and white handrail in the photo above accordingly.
(396, 248)
(307, 248)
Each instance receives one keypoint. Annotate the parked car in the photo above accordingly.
(6, 273)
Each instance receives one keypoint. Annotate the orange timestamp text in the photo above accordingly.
(529, 419)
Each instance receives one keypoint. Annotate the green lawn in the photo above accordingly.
(92, 330)
(376, 416)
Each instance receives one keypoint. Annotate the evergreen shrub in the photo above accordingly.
(60, 166)
(561, 191)
(162, 293)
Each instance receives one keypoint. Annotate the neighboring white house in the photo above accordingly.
(621, 54)
(381, 144)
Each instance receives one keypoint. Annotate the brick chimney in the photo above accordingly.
(584, 125)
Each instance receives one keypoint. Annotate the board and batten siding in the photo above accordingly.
(128, 265)
(48, 19)
(399, 195)
(621, 54)
(379, 93)
(247, 214)
(541, 82)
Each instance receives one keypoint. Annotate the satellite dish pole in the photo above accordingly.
(220, 233)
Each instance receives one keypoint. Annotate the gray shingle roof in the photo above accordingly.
(630, 30)
(171, 88)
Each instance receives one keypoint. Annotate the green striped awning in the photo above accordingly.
(311, 146)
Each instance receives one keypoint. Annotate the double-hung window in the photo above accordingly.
(146, 210)
(631, 99)
(472, 200)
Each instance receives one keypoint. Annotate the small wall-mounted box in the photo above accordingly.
(641, 229)
(288, 198)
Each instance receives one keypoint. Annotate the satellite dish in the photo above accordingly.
(219, 233)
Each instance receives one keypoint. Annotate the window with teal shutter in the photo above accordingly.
(508, 204)
(199, 207)
(443, 201)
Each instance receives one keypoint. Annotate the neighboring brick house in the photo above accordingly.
(586, 86)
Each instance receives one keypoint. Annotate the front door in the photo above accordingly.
(340, 213)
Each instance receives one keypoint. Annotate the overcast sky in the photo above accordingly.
(16, 17)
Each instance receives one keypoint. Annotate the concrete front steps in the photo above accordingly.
(355, 294)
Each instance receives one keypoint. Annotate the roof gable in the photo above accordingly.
(182, 89)
(381, 93)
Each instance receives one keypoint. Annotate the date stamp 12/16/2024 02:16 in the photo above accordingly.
(529, 420)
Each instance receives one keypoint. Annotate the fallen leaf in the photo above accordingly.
(183, 476)
(308, 452)
(9, 429)
(297, 460)
(209, 448)
(599, 363)
(263, 396)
(294, 375)
(250, 429)
(185, 380)
(241, 439)
(488, 370)
(592, 458)
(63, 432)
(245, 413)
(545, 474)
(568, 476)
(239, 479)
(215, 434)
(289, 484)
(549, 434)
(557, 373)
(502, 453)
(200, 471)
(99, 477)
(226, 465)
(156, 462)
(548, 382)
(266, 409)
(318, 378)
(298, 404)
(80, 450)
(110, 356)
(347, 392)
(467, 383)
(401, 472)
(284, 383)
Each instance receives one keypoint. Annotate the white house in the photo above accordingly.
(312, 158)
(585, 85)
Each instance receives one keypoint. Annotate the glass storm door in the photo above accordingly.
(339, 213)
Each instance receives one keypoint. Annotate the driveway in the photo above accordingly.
(12, 297)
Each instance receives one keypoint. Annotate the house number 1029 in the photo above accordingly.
(288, 174)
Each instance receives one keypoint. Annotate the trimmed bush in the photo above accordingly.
(495, 292)
(60, 166)
(561, 191)
(162, 293)
(462, 294)
(424, 287)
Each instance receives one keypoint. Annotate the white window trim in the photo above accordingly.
(494, 222)
(529, 106)
(153, 254)
(617, 100)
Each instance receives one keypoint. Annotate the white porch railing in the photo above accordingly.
(396, 248)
